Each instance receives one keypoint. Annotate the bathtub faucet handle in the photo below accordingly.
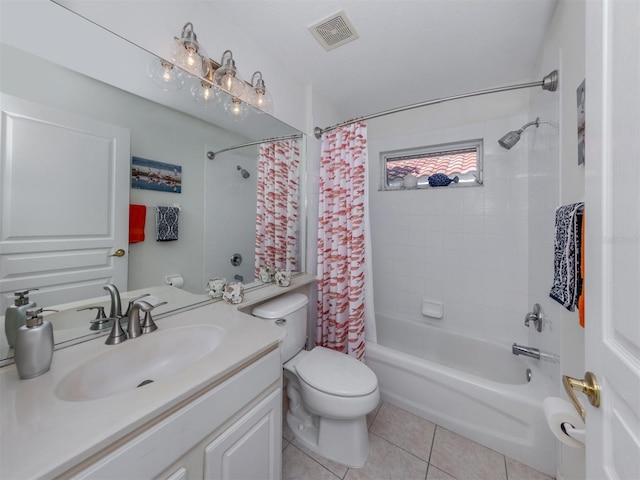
(535, 316)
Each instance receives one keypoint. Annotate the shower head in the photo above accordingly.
(510, 139)
(513, 137)
(243, 172)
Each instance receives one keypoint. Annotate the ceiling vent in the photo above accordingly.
(334, 31)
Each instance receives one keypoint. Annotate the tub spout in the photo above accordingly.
(526, 351)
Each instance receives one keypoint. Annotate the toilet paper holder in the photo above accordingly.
(589, 386)
(579, 434)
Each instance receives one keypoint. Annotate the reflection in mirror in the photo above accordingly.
(217, 217)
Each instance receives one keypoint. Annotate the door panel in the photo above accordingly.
(612, 217)
(64, 203)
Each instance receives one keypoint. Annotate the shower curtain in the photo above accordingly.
(277, 206)
(345, 300)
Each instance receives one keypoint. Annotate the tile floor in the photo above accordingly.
(404, 447)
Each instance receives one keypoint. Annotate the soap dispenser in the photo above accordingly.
(16, 315)
(34, 346)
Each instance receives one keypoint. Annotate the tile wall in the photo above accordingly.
(464, 246)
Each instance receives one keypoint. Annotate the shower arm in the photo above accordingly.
(536, 122)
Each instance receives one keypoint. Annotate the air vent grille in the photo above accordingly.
(334, 31)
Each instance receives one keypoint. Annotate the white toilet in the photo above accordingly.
(329, 393)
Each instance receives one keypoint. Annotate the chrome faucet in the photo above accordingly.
(115, 311)
(126, 314)
(135, 328)
(526, 351)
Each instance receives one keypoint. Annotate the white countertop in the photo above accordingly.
(43, 436)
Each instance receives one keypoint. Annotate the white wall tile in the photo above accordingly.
(466, 246)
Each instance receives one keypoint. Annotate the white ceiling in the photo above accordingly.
(409, 51)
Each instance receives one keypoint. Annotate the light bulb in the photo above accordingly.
(204, 94)
(191, 56)
(227, 77)
(188, 54)
(164, 75)
(235, 109)
(261, 99)
(258, 95)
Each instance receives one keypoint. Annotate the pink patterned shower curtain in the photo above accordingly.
(277, 206)
(341, 241)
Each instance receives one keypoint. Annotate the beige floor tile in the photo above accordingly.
(388, 462)
(335, 467)
(404, 429)
(296, 465)
(465, 459)
(436, 474)
(287, 434)
(519, 471)
(372, 416)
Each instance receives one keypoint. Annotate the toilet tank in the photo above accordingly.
(289, 312)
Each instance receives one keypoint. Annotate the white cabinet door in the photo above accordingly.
(64, 203)
(612, 216)
(252, 447)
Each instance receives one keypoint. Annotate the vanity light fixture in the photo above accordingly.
(227, 77)
(164, 75)
(259, 96)
(188, 54)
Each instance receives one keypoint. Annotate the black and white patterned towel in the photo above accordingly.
(167, 223)
(567, 282)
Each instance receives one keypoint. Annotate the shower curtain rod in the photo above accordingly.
(211, 155)
(550, 82)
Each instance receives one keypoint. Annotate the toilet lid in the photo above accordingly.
(336, 373)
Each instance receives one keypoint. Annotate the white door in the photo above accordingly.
(64, 203)
(612, 217)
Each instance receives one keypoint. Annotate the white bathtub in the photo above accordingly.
(474, 388)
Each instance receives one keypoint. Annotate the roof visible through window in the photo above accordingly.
(411, 169)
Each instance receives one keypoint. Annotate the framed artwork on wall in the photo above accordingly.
(154, 175)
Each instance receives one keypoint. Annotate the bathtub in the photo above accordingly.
(474, 388)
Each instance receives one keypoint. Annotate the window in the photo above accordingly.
(458, 163)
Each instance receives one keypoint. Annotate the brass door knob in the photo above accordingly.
(589, 386)
(118, 253)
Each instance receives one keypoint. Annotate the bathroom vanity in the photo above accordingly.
(230, 431)
(215, 415)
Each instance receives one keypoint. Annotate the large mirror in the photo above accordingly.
(217, 198)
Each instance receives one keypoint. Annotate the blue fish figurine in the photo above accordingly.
(441, 180)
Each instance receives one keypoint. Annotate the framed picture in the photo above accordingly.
(581, 123)
(153, 175)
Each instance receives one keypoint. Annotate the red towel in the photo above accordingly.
(137, 217)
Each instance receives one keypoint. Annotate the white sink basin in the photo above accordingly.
(126, 366)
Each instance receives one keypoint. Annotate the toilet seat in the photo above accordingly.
(336, 374)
